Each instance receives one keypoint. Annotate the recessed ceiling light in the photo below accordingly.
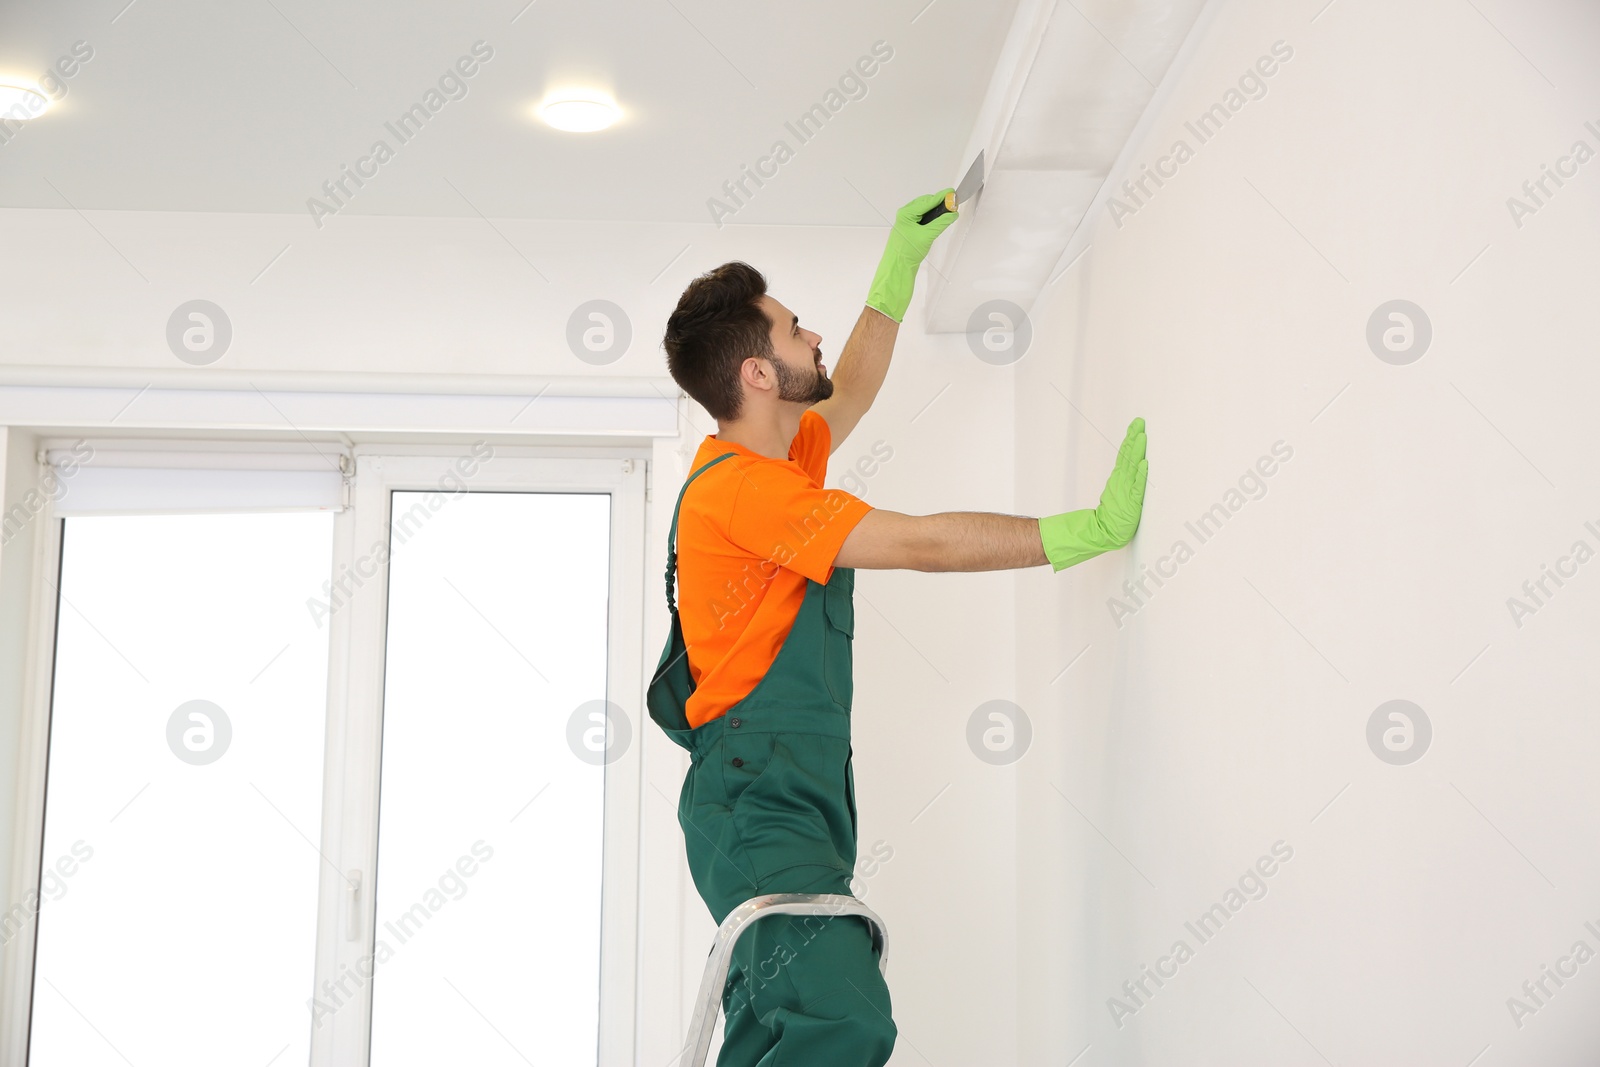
(580, 112)
(21, 102)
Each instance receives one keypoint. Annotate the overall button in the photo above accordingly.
(737, 762)
(733, 723)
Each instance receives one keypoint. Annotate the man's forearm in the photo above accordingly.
(980, 541)
(864, 362)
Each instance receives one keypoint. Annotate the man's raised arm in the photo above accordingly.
(863, 363)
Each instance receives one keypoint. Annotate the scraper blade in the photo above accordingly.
(971, 182)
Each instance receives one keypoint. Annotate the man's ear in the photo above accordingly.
(758, 376)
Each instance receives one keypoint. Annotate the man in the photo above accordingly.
(755, 680)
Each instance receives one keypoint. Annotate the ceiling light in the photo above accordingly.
(21, 102)
(580, 112)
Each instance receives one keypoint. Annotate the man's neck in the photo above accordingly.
(769, 433)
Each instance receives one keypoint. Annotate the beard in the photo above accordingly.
(801, 388)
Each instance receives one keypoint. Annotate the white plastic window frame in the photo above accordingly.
(353, 742)
(350, 813)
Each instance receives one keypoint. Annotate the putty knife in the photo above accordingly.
(970, 184)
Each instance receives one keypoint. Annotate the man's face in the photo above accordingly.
(796, 358)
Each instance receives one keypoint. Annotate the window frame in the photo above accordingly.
(350, 820)
(353, 726)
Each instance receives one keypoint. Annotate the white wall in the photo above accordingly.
(1230, 711)
(451, 306)
(451, 298)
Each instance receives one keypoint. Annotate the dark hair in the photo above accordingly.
(717, 325)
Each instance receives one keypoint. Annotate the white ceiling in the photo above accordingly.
(251, 106)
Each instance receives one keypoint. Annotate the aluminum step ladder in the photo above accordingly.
(709, 1004)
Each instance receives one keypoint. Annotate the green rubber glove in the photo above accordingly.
(909, 242)
(1074, 536)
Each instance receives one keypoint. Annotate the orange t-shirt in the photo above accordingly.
(751, 531)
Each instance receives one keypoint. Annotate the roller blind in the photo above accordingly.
(97, 480)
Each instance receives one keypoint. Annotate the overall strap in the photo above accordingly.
(672, 535)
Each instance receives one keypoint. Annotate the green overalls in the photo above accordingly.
(768, 806)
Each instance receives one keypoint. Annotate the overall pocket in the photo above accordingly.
(745, 757)
(798, 812)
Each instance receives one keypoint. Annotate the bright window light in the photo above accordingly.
(184, 801)
(491, 826)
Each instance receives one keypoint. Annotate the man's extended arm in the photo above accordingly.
(984, 541)
(948, 541)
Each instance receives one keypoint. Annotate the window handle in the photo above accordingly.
(352, 913)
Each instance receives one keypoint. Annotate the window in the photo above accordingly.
(489, 825)
(344, 785)
(185, 791)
